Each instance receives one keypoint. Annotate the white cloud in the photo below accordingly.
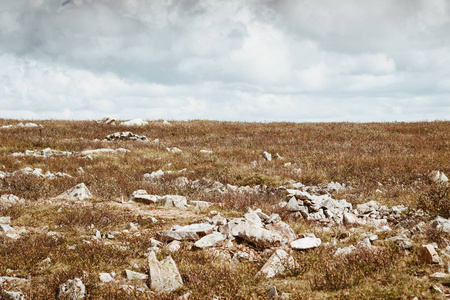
(237, 60)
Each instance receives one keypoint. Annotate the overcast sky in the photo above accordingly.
(245, 60)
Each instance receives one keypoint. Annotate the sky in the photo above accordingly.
(237, 60)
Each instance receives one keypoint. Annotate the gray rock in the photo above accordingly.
(164, 275)
(272, 293)
(350, 219)
(8, 200)
(105, 277)
(201, 204)
(78, 192)
(438, 176)
(306, 243)
(72, 289)
(6, 228)
(143, 196)
(126, 135)
(104, 151)
(173, 201)
(279, 263)
(174, 246)
(201, 229)
(284, 230)
(267, 156)
(427, 254)
(441, 223)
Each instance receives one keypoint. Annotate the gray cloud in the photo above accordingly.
(229, 60)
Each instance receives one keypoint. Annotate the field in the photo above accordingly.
(55, 240)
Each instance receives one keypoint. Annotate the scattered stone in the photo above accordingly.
(272, 293)
(104, 151)
(439, 275)
(278, 264)
(72, 289)
(105, 277)
(306, 243)
(210, 240)
(174, 246)
(164, 275)
(47, 152)
(8, 200)
(107, 121)
(174, 150)
(427, 254)
(134, 122)
(267, 156)
(77, 193)
(438, 176)
(132, 275)
(11, 295)
(126, 136)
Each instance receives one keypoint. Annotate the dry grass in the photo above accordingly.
(387, 162)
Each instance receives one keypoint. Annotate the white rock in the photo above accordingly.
(134, 122)
(154, 175)
(173, 246)
(8, 200)
(164, 275)
(278, 264)
(5, 220)
(210, 240)
(78, 192)
(131, 275)
(143, 196)
(306, 243)
(72, 289)
(174, 150)
(256, 235)
(292, 205)
(104, 151)
(105, 277)
(12, 295)
(438, 176)
(267, 156)
(206, 151)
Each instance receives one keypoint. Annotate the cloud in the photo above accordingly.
(230, 60)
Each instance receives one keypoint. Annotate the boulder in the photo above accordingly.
(105, 277)
(173, 246)
(72, 289)
(292, 205)
(164, 275)
(169, 235)
(143, 196)
(306, 243)
(11, 295)
(134, 122)
(78, 192)
(201, 229)
(126, 136)
(279, 263)
(350, 219)
(173, 201)
(284, 230)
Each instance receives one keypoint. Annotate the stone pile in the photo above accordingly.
(126, 136)
(324, 209)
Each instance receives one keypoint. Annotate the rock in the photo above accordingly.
(427, 254)
(173, 201)
(105, 277)
(272, 293)
(164, 275)
(284, 230)
(126, 136)
(174, 246)
(134, 122)
(143, 196)
(293, 205)
(402, 241)
(72, 289)
(201, 229)
(8, 200)
(306, 243)
(104, 151)
(438, 176)
(154, 175)
(210, 240)
(131, 275)
(439, 275)
(218, 220)
(201, 204)
(173, 149)
(10, 295)
(5, 220)
(107, 121)
(267, 156)
(6, 228)
(344, 251)
(253, 218)
(170, 235)
(78, 192)
(279, 263)
(441, 223)
(206, 151)
(350, 219)
(256, 235)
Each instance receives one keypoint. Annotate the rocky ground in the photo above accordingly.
(91, 210)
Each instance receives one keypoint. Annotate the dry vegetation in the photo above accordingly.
(394, 157)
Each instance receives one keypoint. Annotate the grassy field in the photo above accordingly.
(386, 162)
